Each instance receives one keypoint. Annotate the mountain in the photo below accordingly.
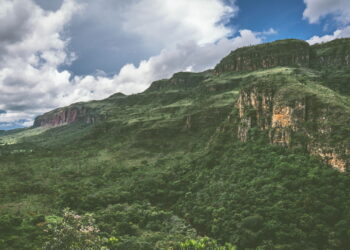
(290, 53)
(253, 153)
(298, 113)
(295, 107)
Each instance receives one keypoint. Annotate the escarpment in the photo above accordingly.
(182, 80)
(280, 53)
(65, 116)
(335, 53)
(289, 102)
(290, 52)
(294, 116)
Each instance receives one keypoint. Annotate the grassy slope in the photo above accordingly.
(153, 146)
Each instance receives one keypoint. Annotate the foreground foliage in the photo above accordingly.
(73, 232)
(251, 195)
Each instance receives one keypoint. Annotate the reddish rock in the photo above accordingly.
(64, 116)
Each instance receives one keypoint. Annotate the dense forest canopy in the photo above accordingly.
(223, 159)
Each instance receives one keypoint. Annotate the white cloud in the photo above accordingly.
(340, 33)
(187, 56)
(168, 22)
(33, 48)
(184, 57)
(338, 9)
(270, 31)
(317, 9)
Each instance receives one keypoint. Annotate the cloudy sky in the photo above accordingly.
(56, 52)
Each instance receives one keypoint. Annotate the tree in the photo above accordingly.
(72, 232)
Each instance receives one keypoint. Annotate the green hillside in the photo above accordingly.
(245, 156)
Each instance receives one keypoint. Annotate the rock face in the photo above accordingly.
(65, 116)
(181, 80)
(280, 53)
(288, 118)
(291, 119)
(290, 52)
(332, 54)
(302, 121)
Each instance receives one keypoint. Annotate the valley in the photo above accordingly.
(253, 154)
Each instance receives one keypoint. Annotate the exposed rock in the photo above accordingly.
(280, 53)
(188, 122)
(333, 53)
(290, 52)
(264, 107)
(330, 156)
(181, 80)
(255, 108)
(65, 116)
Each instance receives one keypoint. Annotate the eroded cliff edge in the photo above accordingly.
(67, 115)
(289, 52)
(297, 115)
(294, 112)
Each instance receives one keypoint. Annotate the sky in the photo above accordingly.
(54, 53)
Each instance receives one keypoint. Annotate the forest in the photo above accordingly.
(186, 165)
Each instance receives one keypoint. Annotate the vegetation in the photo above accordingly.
(164, 170)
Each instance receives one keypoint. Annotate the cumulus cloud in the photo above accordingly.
(34, 48)
(186, 56)
(270, 31)
(99, 39)
(340, 33)
(170, 22)
(317, 9)
(338, 9)
(15, 120)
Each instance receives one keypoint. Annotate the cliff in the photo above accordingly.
(290, 52)
(332, 54)
(67, 115)
(180, 80)
(290, 105)
(296, 115)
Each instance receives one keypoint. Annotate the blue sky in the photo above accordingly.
(286, 17)
(54, 53)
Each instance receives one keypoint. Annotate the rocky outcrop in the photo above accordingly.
(303, 120)
(331, 155)
(65, 116)
(181, 80)
(287, 53)
(255, 109)
(188, 124)
(332, 54)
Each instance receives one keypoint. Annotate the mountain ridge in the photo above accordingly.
(289, 52)
(280, 122)
(250, 159)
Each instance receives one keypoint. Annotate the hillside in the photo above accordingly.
(254, 153)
